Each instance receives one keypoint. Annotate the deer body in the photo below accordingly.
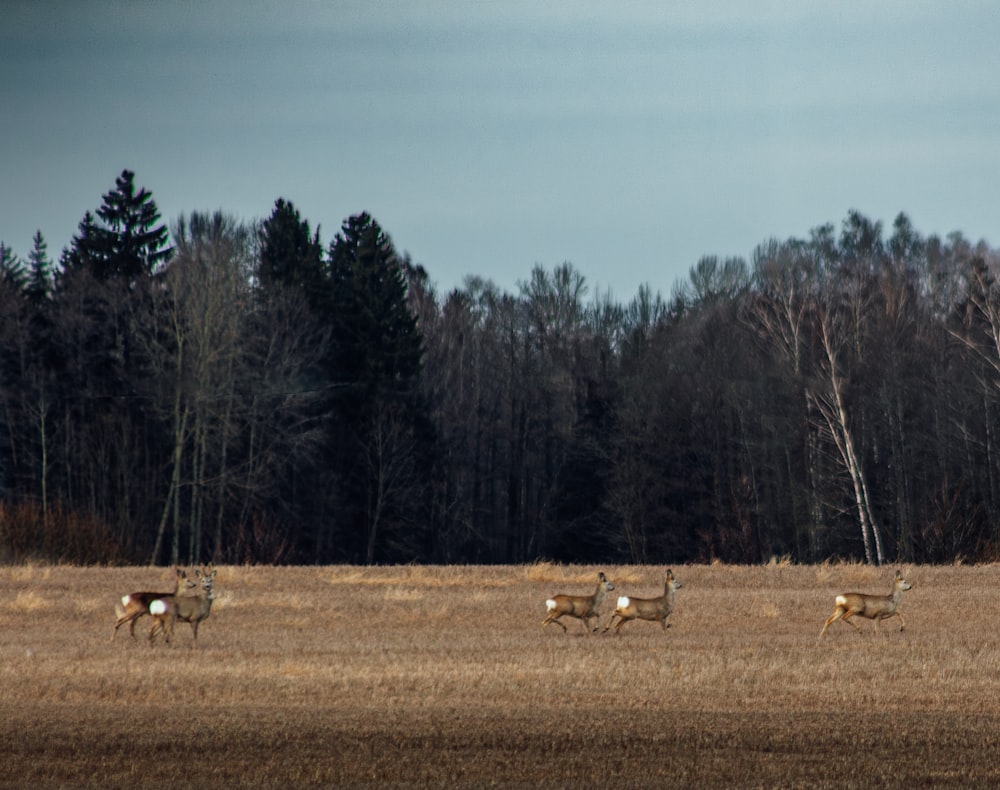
(873, 607)
(583, 607)
(653, 609)
(192, 609)
(135, 605)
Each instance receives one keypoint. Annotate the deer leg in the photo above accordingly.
(120, 622)
(832, 618)
(847, 619)
(554, 619)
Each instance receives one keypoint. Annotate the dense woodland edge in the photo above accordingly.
(244, 393)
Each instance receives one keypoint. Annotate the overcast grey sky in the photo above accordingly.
(627, 138)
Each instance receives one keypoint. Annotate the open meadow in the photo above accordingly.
(443, 676)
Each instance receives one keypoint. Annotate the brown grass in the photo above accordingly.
(440, 677)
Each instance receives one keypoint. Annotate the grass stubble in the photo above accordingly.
(442, 676)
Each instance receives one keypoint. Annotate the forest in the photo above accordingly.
(247, 393)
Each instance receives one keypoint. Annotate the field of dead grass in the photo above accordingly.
(440, 677)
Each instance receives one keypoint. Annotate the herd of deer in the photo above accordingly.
(166, 609)
(585, 607)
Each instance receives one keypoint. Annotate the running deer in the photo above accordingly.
(135, 605)
(583, 607)
(647, 608)
(874, 607)
(190, 608)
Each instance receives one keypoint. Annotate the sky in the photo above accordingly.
(629, 139)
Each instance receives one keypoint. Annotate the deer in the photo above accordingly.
(874, 607)
(583, 607)
(192, 609)
(135, 605)
(653, 609)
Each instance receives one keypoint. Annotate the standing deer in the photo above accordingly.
(583, 607)
(874, 607)
(135, 605)
(647, 608)
(190, 608)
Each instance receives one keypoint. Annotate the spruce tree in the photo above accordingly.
(134, 243)
(381, 435)
(378, 345)
(39, 270)
(290, 255)
(129, 242)
(84, 249)
(11, 268)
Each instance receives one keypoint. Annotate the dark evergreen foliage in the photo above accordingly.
(12, 271)
(40, 274)
(290, 255)
(380, 430)
(244, 398)
(129, 244)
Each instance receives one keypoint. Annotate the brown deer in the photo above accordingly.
(647, 608)
(135, 605)
(874, 607)
(583, 607)
(190, 608)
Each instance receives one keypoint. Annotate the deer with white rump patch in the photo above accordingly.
(653, 609)
(583, 607)
(874, 607)
(189, 608)
(135, 605)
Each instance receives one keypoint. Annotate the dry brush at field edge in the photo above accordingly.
(429, 676)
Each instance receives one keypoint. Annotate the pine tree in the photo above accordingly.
(382, 434)
(11, 268)
(83, 251)
(136, 245)
(379, 346)
(129, 243)
(289, 255)
(39, 271)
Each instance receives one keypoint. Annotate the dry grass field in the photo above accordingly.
(418, 676)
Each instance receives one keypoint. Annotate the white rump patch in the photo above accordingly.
(841, 600)
(550, 604)
(126, 599)
(623, 602)
(158, 607)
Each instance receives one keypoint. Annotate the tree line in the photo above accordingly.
(240, 392)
